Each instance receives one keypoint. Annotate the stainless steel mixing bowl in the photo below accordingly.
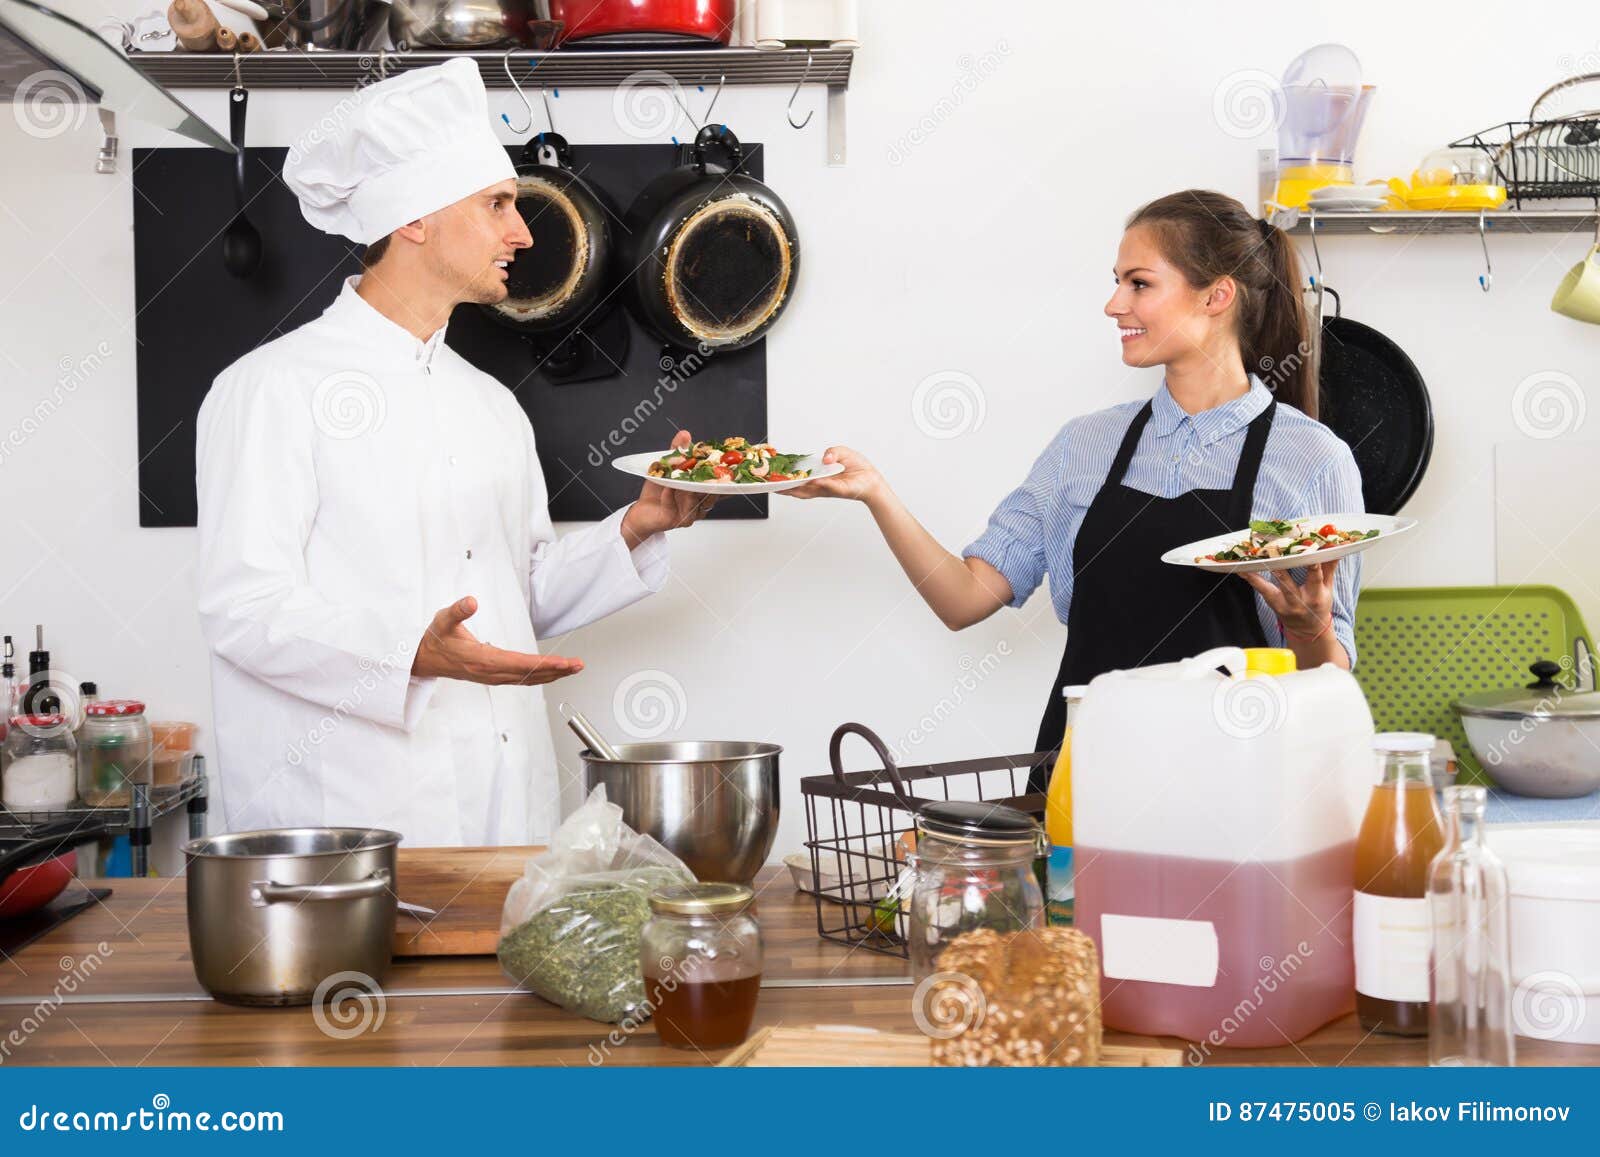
(714, 804)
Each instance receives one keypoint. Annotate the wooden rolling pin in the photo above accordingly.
(249, 42)
(227, 40)
(195, 25)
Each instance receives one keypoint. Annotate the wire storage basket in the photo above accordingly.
(1546, 157)
(860, 827)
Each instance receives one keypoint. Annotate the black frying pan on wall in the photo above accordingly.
(1374, 398)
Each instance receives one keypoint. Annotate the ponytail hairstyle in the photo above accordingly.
(1208, 236)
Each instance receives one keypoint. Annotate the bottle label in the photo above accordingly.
(1059, 893)
(1391, 947)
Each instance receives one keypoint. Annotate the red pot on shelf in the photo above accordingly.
(36, 870)
(644, 21)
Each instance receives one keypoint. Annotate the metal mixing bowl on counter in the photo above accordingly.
(272, 914)
(713, 803)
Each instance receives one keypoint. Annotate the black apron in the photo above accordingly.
(1130, 609)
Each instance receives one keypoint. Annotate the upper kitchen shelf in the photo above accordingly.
(1499, 221)
(573, 68)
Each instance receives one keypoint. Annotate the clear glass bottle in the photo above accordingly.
(701, 957)
(1400, 835)
(1470, 964)
(973, 868)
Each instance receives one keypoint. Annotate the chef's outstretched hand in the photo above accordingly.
(663, 508)
(449, 651)
(860, 479)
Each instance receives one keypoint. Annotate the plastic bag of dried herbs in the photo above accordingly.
(569, 930)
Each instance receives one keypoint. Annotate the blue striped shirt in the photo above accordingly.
(1305, 470)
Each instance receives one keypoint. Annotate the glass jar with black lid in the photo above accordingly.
(974, 868)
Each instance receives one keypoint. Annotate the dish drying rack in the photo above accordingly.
(1545, 157)
(855, 821)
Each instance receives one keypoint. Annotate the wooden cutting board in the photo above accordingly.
(466, 886)
(778, 1047)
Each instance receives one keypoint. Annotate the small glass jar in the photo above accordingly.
(113, 752)
(701, 958)
(974, 868)
(38, 774)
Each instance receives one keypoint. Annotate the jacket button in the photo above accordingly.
(504, 738)
(469, 553)
(452, 459)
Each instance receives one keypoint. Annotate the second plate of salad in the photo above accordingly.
(732, 465)
(1287, 544)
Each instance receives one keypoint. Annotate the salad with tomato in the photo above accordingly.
(736, 460)
(1271, 538)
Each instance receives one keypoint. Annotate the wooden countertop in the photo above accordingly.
(138, 1004)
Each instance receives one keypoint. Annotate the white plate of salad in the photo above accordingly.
(731, 465)
(1288, 544)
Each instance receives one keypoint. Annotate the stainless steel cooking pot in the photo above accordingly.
(1539, 740)
(714, 804)
(272, 914)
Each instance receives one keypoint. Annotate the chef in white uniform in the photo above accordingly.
(376, 559)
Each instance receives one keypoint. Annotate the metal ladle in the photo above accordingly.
(241, 241)
(586, 731)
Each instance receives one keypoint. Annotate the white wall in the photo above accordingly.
(984, 250)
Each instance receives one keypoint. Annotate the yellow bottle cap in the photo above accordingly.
(1268, 661)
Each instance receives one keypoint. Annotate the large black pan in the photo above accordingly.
(1374, 398)
(714, 252)
(568, 270)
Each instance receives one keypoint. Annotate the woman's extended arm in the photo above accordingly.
(961, 591)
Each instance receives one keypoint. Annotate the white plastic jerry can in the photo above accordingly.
(1215, 819)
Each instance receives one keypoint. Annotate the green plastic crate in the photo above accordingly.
(1420, 649)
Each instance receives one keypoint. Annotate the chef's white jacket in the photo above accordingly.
(352, 481)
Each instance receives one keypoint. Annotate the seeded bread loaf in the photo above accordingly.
(1019, 998)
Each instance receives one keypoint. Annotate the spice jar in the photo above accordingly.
(38, 774)
(974, 868)
(171, 752)
(701, 958)
(113, 752)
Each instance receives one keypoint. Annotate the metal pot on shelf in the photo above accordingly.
(1539, 740)
(460, 23)
(714, 804)
(273, 914)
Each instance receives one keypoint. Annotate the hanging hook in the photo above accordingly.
(237, 83)
(1486, 278)
(1316, 253)
(789, 111)
(550, 123)
(721, 80)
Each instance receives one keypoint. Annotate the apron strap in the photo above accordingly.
(1130, 442)
(1255, 443)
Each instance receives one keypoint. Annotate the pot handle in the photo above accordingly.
(718, 136)
(549, 149)
(264, 892)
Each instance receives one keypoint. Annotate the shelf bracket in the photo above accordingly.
(836, 126)
(106, 162)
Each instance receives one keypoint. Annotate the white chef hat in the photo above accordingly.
(409, 146)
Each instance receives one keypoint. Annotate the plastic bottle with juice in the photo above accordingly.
(1400, 835)
(1058, 821)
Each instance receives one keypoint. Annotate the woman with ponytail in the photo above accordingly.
(1210, 294)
